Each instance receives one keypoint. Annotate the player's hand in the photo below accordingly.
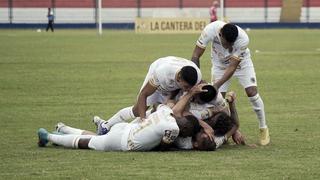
(198, 89)
(238, 138)
(230, 96)
(210, 132)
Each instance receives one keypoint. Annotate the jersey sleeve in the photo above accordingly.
(154, 81)
(241, 48)
(158, 77)
(171, 131)
(205, 37)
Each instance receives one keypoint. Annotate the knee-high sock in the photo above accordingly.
(124, 115)
(70, 130)
(258, 108)
(68, 140)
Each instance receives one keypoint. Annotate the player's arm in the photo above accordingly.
(139, 109)
(234, 62)
(237, 137)
(171, 101)
(180, 106)
(201, 44)
(197, 53)
(207, 129)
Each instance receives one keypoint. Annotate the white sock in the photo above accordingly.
(258, 108)
(69, 140)
(124, 115)
(70, 130)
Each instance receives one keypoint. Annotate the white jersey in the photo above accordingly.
(159, 126)
(162, 73)
(216, 105)
(219, 55)
(139, 136)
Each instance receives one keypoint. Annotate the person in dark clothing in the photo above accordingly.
(50, 20)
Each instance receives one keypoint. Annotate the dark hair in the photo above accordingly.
(221, 123)
(189, 74)
(209, 95)
(206, 144)
(188, 125)
(229, 32)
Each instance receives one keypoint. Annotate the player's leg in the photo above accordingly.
(248, 80)
(125, 114)
(103, 126)
(64, 129)
(115, 140)
(68, 140)
(51, 26)
(48, 25)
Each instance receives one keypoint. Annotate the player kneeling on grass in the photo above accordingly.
(165, 76)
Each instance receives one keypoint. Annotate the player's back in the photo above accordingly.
(165, 70)
(159, 125)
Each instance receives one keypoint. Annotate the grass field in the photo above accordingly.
(72, 75)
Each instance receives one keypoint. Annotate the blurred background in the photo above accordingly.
(122, 13)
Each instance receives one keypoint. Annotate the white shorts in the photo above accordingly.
(111, 141)
(246, 77)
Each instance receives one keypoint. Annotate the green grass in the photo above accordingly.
(72, 75)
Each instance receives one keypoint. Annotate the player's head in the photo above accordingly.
(221, 123)
(215, 3)
(229, 33)
(187, 77)
(202, 142)
(208, 96)
(188, 126)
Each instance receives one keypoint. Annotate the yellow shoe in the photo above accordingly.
(264, 136)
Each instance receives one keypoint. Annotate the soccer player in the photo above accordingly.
(160, 127)
(165, 76)
(205, 105)
(231, 57)
(213, 11)
(224, 126)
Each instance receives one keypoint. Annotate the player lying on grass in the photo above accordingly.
(165, 76)
(207, 104)
(224, 123)
(162, 126)
(223, 126)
